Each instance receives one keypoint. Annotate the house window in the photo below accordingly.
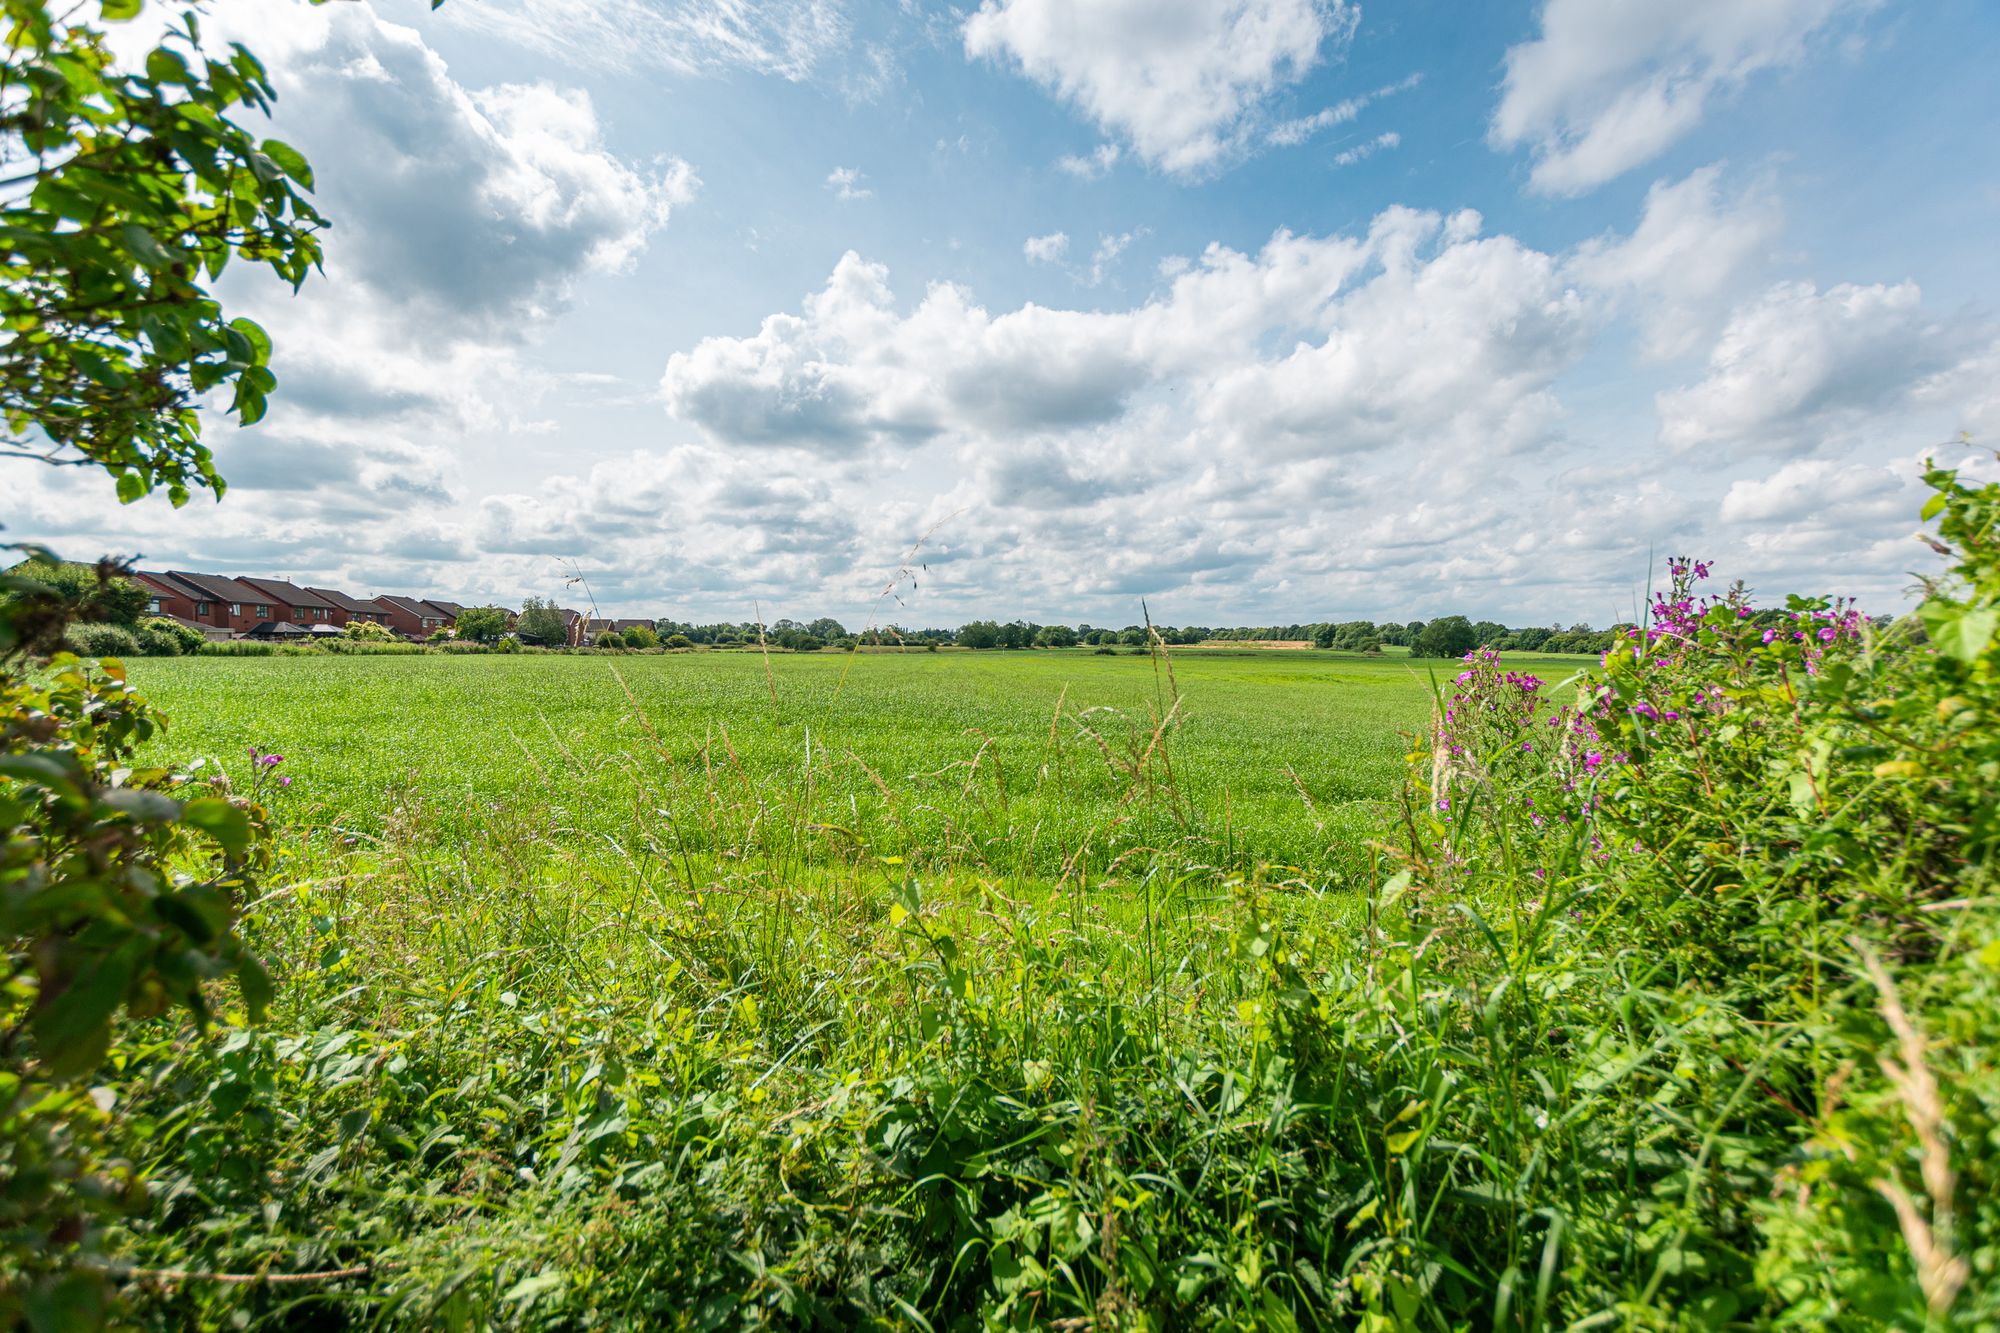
(156, 606)
(263, 613)
(201, 608)
(236, 608)
(298, 613)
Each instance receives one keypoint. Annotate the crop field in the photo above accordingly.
(1017, 764)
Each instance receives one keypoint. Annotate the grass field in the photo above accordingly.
(1054, 990)
(1019, 764)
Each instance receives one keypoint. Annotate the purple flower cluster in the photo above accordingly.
(261, 765)
(1662, 686)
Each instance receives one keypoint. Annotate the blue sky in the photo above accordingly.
(1264, 310)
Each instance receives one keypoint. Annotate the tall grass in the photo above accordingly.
(1683, 1016)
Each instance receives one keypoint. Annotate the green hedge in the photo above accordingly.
(103, 641)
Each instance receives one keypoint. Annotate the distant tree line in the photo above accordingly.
(1445, 637)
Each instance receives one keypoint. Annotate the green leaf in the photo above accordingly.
(1399, 1144)
(147, 247)
(1958, 630)
(119, 10)
(163, 66)
(131, 486)
(46, 770)
(250, 403)
(290, 161)
(228, 824)
(74, 1028)
(146, 806)
(260, 341)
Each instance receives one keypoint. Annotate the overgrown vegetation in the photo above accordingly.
(1670, 1004)
(1668, 1001)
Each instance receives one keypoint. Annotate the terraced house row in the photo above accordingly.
(229, 608)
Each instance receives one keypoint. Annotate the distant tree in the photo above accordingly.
(1350, 636)
(1487, 632)
(608, 638)
(482, 624)
(1133, 636)
(826, 627)
(1018, 633)
(1532, 638)
(1447, 637)
(1056, 636)
(641, 636)
(541, 622)
(103, 600)
(979, 634)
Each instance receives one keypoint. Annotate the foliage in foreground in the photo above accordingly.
(1681, 1009)
(119, 885)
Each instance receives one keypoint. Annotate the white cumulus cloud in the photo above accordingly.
(1609, 84)
(1185, 81)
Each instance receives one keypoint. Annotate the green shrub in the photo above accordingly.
(641, 636)
(678, 641)
(369, 647)
(95, 594)
(607, 639)
(367, 631)
(160, 636)
(120, 885)
(238, 648)
(103, 641)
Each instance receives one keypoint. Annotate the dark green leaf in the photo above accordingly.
(290, 160)
(228, 824)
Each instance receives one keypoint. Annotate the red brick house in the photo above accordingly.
(299, 605)
(171, 597)
(168, 596)
(415, 618)
(231, 603)
(346, 609)
(588, 630)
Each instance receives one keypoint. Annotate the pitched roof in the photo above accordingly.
(450, 608)
(173, 587)
(418, 607)
(352, 605)
(275, 629)
(290, 594)
(216, 588)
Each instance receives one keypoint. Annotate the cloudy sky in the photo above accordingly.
(1263, 310)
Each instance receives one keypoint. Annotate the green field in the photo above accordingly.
(1056, 990)
(1018, 764)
